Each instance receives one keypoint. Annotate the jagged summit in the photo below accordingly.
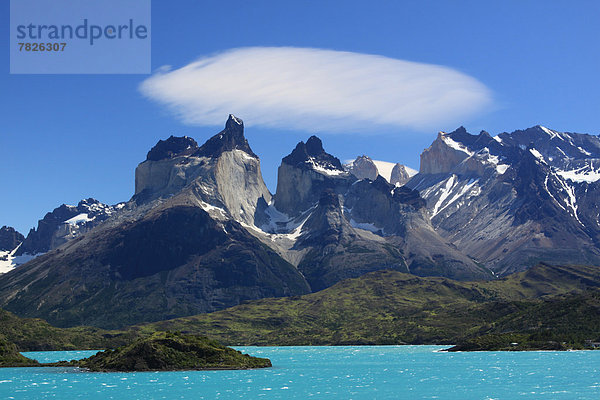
(312, 155)
(172, 147)
(230, 138)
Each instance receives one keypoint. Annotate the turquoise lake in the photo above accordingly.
(348, 372)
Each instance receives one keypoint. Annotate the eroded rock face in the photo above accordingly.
(363, 168)
(224, 170)
(201, 234)
(440, 157)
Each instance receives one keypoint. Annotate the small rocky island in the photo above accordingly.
(168, 351)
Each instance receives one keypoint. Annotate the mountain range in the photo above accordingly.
(202, 232)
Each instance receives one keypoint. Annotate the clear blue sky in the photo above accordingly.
(68, 137)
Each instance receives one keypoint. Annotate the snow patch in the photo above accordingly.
(466, 188)
(445, 192)
(579, 175)
(455, 145)
(235, 119)
(571, 201)
(537, 155)
(8, 260)
(384, 169)
(550, 132)
(281, 225)
(327, 171)
(584, 151)
(366, 226)
(79, 219)
(244, 155)
(209, 207)
(501, 168)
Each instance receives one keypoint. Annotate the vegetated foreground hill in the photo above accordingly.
(389, 307)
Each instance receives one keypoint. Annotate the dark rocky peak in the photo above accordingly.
(9, 238)
(230, 138)
(461, 135)
(172, 147)
(473, 142)
(311, 154)
(314, 146)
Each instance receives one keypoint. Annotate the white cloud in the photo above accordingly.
(314, 89)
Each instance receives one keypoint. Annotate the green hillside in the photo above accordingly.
(544, 307)
(388, 307)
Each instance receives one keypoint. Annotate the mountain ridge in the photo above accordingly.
(202, 232)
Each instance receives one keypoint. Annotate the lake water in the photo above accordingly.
(349, 372)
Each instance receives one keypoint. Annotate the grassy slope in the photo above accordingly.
(388, 307)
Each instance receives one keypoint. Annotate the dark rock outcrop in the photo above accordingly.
(172, 147)
(9, 238)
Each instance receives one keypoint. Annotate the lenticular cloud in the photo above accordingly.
(314, 89)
